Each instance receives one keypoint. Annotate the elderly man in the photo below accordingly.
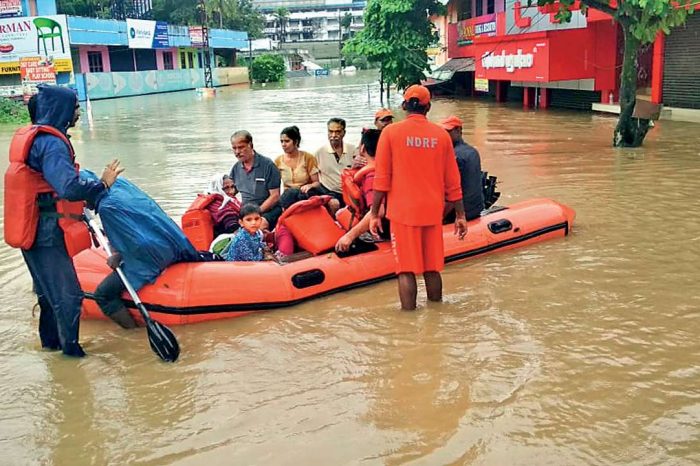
(333, 158)
(257, 178)
(469, 164)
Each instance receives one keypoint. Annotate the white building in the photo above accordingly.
(311, 20)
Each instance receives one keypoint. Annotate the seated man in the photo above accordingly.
(333, 158)
(469, 164)
(123, 210)
(368, 148)
(257, 179)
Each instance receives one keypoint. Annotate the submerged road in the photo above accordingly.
(582, 350)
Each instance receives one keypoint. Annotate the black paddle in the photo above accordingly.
(161, 338)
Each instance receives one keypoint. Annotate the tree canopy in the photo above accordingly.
(396, 35)
(240, 15)
(641, 21)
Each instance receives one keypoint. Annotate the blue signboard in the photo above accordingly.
(160, 38)
(143, 34)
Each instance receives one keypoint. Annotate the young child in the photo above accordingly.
(248, 245)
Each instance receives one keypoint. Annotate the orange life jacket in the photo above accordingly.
(351, 180)
(197, 223)
(23, 185)
(311, 225)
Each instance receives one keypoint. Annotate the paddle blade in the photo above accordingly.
(162, 341)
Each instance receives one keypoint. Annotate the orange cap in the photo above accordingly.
(383, 113)
(451, 122)
(417, 92)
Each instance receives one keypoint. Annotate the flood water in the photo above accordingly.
(581, 350)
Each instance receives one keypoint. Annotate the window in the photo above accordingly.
(183, 60)
(95, 62)
(190, 59)
(490, 6)
(479, 8)
(464, 9)
(168, 61)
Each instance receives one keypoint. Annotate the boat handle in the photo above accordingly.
(308, 278)
(500, 226)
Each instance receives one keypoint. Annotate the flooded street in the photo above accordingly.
(582, 350)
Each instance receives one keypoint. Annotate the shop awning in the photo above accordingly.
(458, 64)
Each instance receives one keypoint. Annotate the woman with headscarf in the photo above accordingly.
(224, 209)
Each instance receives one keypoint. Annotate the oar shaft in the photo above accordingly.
(105, 245)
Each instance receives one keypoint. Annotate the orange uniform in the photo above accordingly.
(416, 167)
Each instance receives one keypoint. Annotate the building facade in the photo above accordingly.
(109, 58)
(521, 52)
(511, 51)
(311, 20)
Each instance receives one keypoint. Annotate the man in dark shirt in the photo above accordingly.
(257, 178)
(469, 164)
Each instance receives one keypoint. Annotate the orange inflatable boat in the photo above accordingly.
(195, 292)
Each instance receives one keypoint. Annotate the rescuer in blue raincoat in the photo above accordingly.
(48, 261)
(145, 242)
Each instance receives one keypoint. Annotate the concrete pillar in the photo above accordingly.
(527, 98)
(657, 69)
(501, 92)
(159, 59)
(545, 97)
(605, 96)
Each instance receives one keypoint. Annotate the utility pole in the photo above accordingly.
(250, 59)
(206, 59)
(340, 44)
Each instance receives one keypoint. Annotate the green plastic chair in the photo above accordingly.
(44, 24)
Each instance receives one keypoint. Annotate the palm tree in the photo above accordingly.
(281, 14)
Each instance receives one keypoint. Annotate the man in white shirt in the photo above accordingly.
(333, 158)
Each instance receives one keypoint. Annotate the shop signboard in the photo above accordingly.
(481, 85)
(526, 60)
(34, 36)
(522, 18)
(143, 34)
(34, 71)
(468, 29)
(10, 8)
(196, 36)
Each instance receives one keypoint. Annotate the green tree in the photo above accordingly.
(240, 15)
(13, 112)
(89, 8)
(397, 34)
(345, 24)
(640, 21)
(268, 68)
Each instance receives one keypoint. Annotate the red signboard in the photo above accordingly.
(9, 8)
(524, 60)
(196, 36)
(34, 71)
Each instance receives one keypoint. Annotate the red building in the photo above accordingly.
(516, 52)
(512, 51)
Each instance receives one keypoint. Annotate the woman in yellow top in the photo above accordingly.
(299, 169)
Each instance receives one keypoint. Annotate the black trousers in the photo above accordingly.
(108, 294)
(60, 297)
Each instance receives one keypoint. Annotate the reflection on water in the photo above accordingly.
(576, 351)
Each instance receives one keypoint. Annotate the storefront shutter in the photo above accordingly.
(681, 70)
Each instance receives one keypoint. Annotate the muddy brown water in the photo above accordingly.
(581, 350)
